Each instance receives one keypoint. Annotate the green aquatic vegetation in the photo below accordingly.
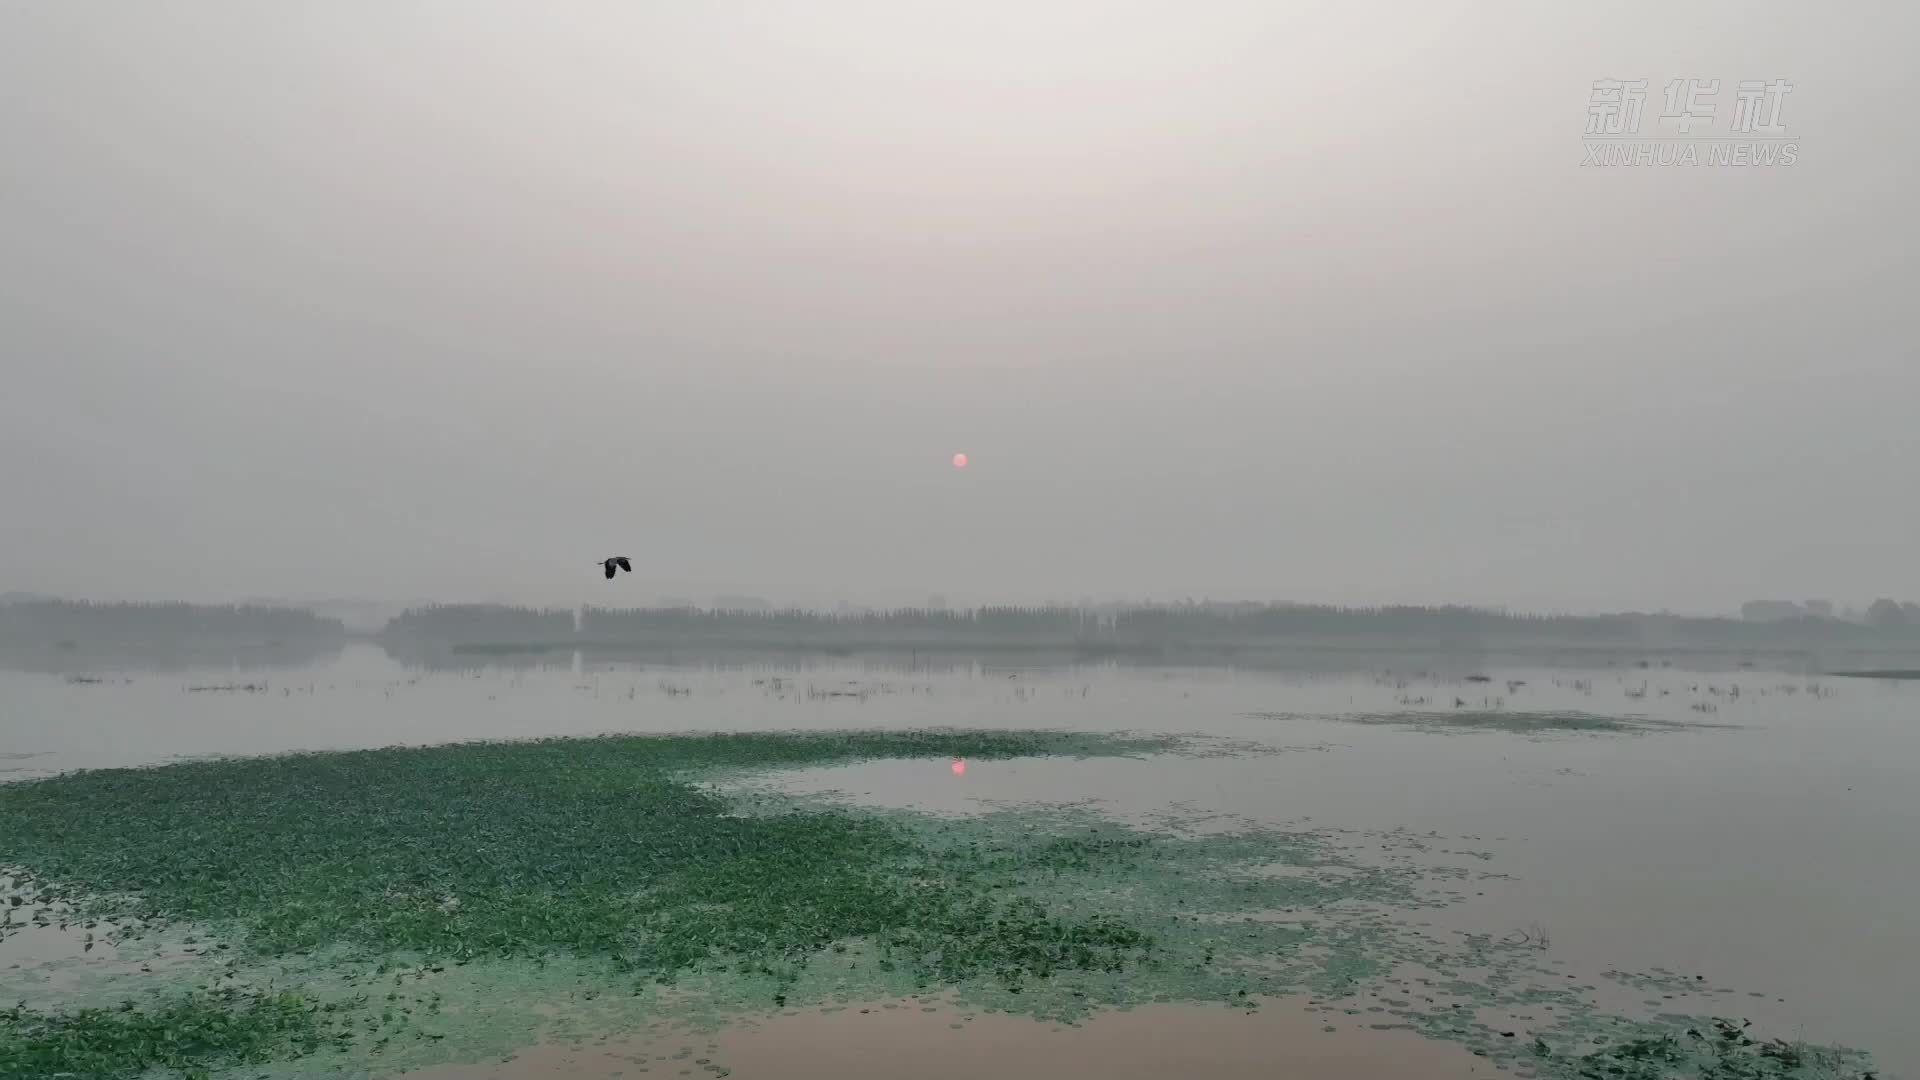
(611, 882)
(1719, 1050)
(592, 846)
(1663, 981)
(190, 1035)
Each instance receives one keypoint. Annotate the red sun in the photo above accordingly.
(960, 767)
(959, 461)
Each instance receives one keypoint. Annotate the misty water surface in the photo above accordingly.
(1769, 846)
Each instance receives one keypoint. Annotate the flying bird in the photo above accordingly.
(618, 562)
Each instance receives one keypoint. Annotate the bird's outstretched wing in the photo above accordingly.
(609, 568)
(624, 564)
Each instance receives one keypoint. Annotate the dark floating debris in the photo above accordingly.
(1465, 719)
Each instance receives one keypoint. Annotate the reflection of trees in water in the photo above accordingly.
(180, 655)
(995, 663)
(1119, 630)
(439, 656)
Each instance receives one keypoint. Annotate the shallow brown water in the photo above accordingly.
(909, 1041)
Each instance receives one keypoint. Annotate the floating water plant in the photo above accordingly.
(595, 846)
(190, 1036)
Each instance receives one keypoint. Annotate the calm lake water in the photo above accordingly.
(1772, 846)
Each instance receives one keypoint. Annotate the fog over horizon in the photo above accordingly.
(1263, 301)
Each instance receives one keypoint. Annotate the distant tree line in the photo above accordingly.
(459, 623)
(1144, 628)
(1889, 614)
(77, 622)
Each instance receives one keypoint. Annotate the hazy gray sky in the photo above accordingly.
(1265, 300)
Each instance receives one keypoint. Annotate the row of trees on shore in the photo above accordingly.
(44, 621)
(53, 621)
